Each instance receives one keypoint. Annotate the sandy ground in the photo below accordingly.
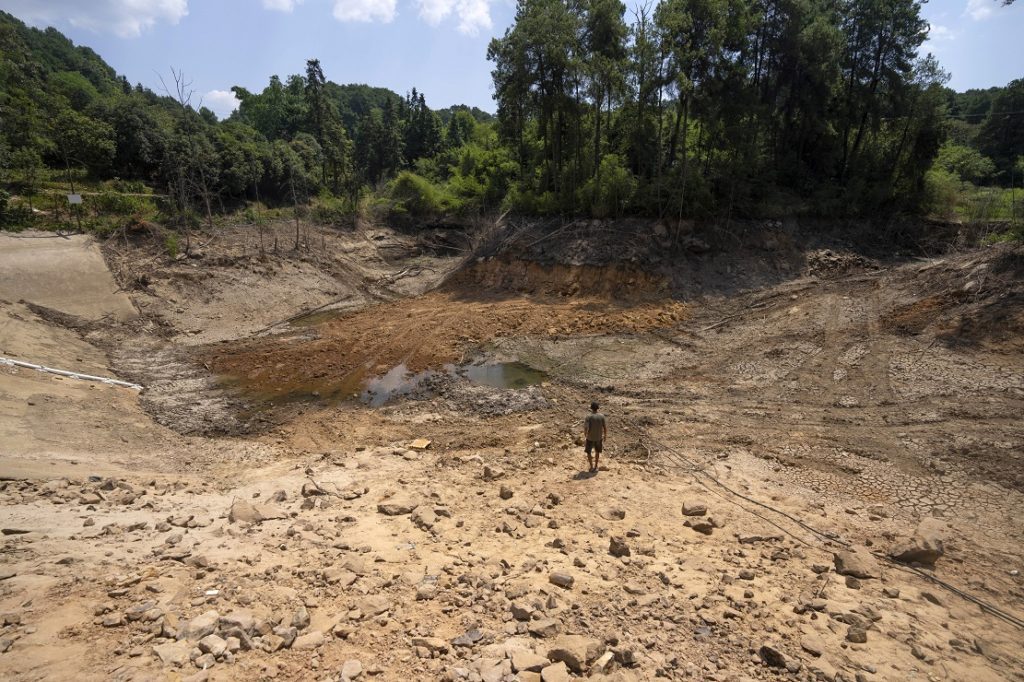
(323, 546)
(66, 273)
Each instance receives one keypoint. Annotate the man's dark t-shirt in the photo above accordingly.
(594, 427)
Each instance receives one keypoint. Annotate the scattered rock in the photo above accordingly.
(374, 605)
(469, 639)
(394, 508)
(424, 518)
(505, 493)
(199, 627)
(339, 576)
(603, 664)
(613, 514)
(426, 592)
(703, 526)
(576, 651)
(311, 640)
(694, 508)
(556, 672)
(434, 645)
(774, 658)
(243, 620)
(287, 634)
(243, 511)
(563, 580)
(300, 619)
(925, 547)
(113, 620)
(212, 644)
(527, 661)
(617, 547)
(858, 634)
(857, 562)
(544, 628)
(311, 488)
(351, 669)
(812, 645)
(173, 653)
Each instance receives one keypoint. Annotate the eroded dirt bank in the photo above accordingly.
(875, 402)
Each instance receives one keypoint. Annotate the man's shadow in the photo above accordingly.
(584, 475)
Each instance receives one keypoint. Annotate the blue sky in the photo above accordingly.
(438, 46)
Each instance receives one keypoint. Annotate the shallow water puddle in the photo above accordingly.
(398, 381)
(395, 383)
(502, 374)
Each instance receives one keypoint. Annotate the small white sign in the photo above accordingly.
(74, 198)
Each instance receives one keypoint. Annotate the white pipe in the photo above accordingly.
(66, 373)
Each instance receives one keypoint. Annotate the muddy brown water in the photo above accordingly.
(375, 391)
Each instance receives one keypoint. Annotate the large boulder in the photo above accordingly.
(243, 511)
(925, 547)
(858, 562)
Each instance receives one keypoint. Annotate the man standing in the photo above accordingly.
(594, 432)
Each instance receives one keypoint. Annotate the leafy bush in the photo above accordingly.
(416, 196)
(521, 199)
(13, 216)
(121, 204)
(942, 191)
(333, 210)
(967, 163)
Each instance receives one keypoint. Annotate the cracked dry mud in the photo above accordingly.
(323, 546)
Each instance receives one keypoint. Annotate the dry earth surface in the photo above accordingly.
(807, 448)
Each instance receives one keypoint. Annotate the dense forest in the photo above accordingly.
(690, 108)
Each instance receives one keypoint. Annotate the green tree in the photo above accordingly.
(882, 38)
(1002, 134)
(967, 163)
(604, 49)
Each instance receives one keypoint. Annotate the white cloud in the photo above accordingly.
(473, 15)
(364, 10)
(979, 10)
(220, 102)
(433, 11)
(281, 5)
(937, 32)
(126, 18)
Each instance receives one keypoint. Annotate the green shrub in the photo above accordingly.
(942, 192)
(171, 244)
(524, 200)
(416, 196)
(120, 204)
(333, 210)
(967, 163)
